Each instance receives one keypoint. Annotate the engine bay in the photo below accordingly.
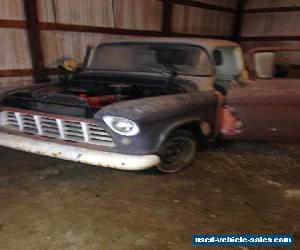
(83, 97)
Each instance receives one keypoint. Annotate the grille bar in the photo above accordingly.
(75, 131)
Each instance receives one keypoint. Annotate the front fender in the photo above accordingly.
(157, 117)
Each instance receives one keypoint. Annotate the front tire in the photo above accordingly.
(178, 151)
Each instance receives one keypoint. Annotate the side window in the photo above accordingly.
(278, 64)
(218, 57)
(228, 64)
(264, 64)
(287, 64)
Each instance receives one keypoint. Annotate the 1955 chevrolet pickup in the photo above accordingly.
(146, 103)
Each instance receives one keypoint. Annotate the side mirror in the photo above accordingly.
(89, 53)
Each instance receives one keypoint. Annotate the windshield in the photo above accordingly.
(183, 59)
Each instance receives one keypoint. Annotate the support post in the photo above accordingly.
(167, 9)
(34, 39)
(238, 21)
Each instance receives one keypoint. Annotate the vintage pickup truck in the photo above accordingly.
(148, 102)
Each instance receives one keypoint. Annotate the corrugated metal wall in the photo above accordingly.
(271, 24)
(123, 14)
(14, 43)
(251, 4)
(58, 45)
(193, 20)
(14, 49)
(11, 9)
(128, 14)
(191, 17)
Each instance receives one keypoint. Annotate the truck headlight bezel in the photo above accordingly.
(121, 125)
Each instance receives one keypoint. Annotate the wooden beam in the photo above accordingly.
(238, 21)
(25, 72)
(15, 24)
(15, 72)
(179, 34)
(270, 38)
(274, 9)
(167, 11)
(202, 5)
(31, 13)
(95, 29)
(117, 31)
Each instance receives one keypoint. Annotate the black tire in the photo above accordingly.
(178, 151)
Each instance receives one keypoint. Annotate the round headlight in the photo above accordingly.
(121, 125)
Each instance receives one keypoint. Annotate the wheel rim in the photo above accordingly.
(177, 153)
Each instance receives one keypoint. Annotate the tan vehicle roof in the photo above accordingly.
(208, 44)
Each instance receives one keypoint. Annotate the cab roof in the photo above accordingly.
(208, 44)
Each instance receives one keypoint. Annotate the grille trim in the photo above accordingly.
(68, 130)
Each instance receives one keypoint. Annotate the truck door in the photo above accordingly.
(268, 106)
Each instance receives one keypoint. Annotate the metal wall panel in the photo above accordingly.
(128, 14)
(253, 4)
(271, 24)
(12, 9)
(142, 14)
(15, 81)
(192, 20)
(59, 45)
(87, 12)
(251, 44)
(14, 49)
(14, 44)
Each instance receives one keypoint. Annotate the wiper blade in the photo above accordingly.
(151, 69)
(172, 68)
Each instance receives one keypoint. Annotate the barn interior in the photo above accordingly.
(231, 187)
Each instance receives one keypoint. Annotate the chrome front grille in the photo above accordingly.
(28, 124)
(47, 126)
(75, 131)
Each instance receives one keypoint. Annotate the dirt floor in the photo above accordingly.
(48, 203)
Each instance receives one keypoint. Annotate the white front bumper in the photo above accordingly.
(78, 154)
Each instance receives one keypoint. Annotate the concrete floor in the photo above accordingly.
(48, 203)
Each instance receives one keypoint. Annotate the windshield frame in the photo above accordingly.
(211, 65)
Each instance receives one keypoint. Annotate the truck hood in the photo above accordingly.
(160, 107)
